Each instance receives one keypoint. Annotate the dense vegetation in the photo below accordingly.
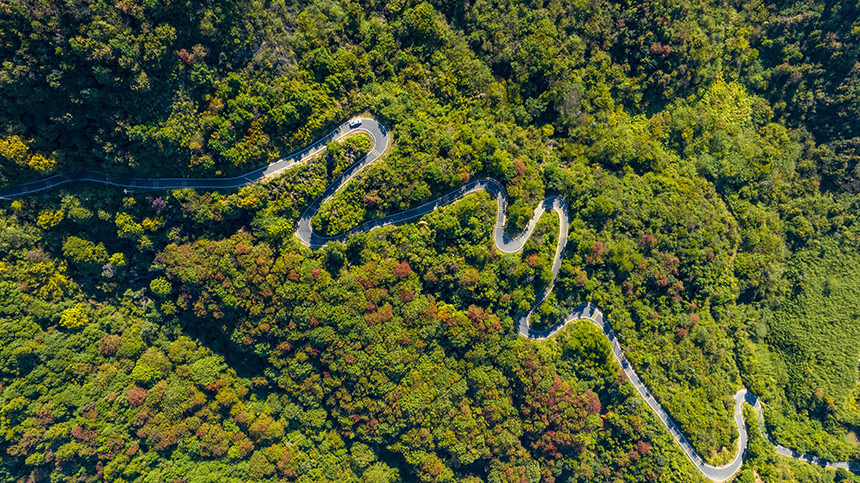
(708, 151)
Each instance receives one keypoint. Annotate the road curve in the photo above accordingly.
(369, 126)
(503, 242)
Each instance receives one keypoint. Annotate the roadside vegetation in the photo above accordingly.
(707, 151)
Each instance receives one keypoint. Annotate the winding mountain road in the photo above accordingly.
(504, 243)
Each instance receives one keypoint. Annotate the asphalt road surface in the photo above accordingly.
(504, 243)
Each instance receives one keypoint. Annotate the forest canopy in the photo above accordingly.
(708, 152)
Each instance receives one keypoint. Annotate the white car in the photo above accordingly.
(355, 123)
